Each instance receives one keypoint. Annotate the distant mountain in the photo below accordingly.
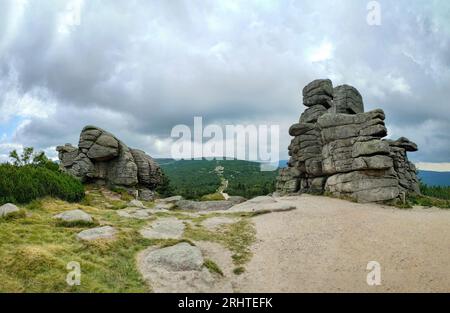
(434, 178)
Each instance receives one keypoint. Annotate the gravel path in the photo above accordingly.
(326, 244)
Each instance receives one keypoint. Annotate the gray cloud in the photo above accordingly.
(138, 68)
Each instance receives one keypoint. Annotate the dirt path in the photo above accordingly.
(326, 244)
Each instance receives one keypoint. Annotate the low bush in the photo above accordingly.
(212, 197)
(22, 184)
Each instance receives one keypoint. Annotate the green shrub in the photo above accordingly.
(35, 205)
(212, 197)
(212, 267)
(22, 184)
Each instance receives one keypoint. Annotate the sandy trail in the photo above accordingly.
(326, 244)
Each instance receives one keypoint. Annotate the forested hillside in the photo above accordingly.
(195, 178)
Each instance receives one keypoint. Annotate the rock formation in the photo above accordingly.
(338, 149)
(102, 158)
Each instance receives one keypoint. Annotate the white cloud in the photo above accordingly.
(435, 167)
(137, 68)
(321, 53)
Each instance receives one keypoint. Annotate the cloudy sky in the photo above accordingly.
(138, 68)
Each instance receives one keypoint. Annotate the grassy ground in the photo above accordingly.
(35, 249)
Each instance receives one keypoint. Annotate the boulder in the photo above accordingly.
(106, 147)
(102, 158)
(8, 209)
(179, 268)
(177, 258)
(347, 99)
(136, 213)
(190, 205)
(104, 232)
(164, 228)
(404, 143)
(318, 92)
(136, 203)
(74, 216)
(310, 115)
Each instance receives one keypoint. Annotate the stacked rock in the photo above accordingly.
(405, 170)
(304, 172)
(339, 149)
(102, 158)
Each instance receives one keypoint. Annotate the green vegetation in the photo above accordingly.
(165, 189)
(239, 270)
(36, 248)
(440, 192)
(427, 201)
(35, 253)
(212, 267)
(212, 197)
(195, 178)
(32, 176)
(237, 237)
(22, 184)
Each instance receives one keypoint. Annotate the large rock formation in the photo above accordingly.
(338, 148)
(102, 158)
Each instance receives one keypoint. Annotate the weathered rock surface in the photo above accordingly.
(134, 212)
(8, 209)
(104, 232)
(164, 228)
(136, 203)
(207, 205)
(102, 158)
(74, 216)
(261, 204)
(179, 268)
(338, 148)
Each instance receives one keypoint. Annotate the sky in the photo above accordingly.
(138, 68)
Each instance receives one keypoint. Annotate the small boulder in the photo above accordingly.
(136, 204)
(104, 232)
(137, 213)
(74, 216)
(8, 209)
(179, 268)
(180, 257)
(165, 228)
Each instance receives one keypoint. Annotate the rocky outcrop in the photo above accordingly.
(102, 158)
(338, 148)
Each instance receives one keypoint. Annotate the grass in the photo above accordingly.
(35, 253)
(239, 270)
(35, 248)
(237, 237)
(14, 215)
(212, 267)
(212, 197)
(428, 201)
